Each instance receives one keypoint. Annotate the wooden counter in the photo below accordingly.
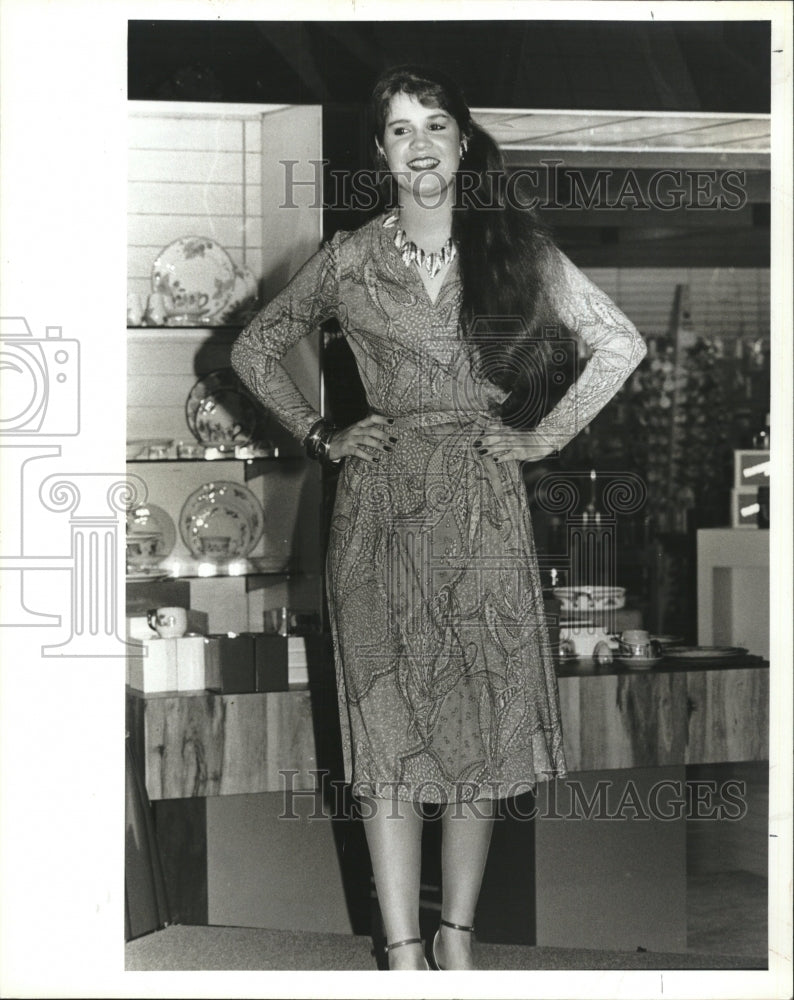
(200, 750)
(671, 714)
(200, 744)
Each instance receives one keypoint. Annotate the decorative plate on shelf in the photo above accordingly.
(221, 520)
(151, 536)
(198, 275)
(244, 301)
(704, 652)
(220, 411)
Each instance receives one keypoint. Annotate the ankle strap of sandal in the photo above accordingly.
(457, 927)
(399, 944)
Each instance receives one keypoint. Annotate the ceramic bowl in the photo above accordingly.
(590, 598)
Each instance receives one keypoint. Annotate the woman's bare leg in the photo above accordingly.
(465, 837)
(394, 836)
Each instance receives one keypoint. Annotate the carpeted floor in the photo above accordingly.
(182, 948)
(727, 912)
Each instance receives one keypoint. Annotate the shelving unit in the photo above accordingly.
(227, 158)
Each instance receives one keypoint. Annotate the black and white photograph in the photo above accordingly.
(405, 584)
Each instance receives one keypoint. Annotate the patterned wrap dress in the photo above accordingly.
(446, 683)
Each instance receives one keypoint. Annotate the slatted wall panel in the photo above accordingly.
(213, 170)
(733, 302)
(201, 180)
(200, 170)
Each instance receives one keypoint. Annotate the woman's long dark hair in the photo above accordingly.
(503, 251)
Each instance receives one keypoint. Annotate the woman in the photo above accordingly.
(447, 689)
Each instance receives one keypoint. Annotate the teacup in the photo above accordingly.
(217, 546)
(637, 644)
(168, 623)
(190, 303)
(142, 545)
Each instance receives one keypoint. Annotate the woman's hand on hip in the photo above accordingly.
(505, 443)
(367, 439)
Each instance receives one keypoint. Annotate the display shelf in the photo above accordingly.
(224, 458)
(181, 326)
(204, 569)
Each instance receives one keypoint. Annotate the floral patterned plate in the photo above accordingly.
(221, 520)
(198, 275)
(220, 411)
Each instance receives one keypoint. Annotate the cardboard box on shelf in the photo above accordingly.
(151, 665)
(744, 507)
(157, 665)
(285, 661)
(750, 468)
(271, 662)
(232, 659)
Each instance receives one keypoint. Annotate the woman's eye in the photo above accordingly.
(439, 126)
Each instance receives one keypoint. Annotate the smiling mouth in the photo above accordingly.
(424, 163)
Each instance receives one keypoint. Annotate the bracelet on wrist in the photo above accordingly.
(318, 441)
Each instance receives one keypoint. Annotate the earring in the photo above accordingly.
(464, 146)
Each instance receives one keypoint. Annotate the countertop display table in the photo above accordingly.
(601, 860)
(611, 840)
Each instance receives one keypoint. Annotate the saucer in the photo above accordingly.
(639, 662)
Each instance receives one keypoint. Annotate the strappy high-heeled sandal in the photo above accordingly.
(455, 927)
(398, 944)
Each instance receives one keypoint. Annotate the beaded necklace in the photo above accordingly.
(412, 254)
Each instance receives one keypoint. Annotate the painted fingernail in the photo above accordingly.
(483, 451)
(376, 458)
(496, 458)
(393, 440)
(390, 420)
(386, 448)
(477, 443)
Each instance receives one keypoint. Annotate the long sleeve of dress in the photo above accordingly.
(615, 345)
(310, 298)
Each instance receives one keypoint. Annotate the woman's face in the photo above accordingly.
(422, 148)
